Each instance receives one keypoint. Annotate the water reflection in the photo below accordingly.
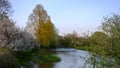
(45, 65)
(72, 58)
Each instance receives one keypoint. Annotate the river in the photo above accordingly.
(70, 58)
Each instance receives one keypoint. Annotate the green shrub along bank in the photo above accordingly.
(39, 56)
(7, 59)
(16, 59)
(44, 56)
(23, 58)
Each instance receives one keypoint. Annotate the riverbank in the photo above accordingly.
(86, 48)
(39, 56)
(106, 58)
(16, 59)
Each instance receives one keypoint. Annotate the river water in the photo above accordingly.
(70, 58)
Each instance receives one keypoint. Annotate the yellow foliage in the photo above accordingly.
(45, 33)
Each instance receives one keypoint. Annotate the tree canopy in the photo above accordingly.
(41, 27)
(5, 9)
(111, 25)
(39, 15)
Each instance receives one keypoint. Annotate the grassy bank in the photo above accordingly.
(87, 48)
(37, 56)
(99, 50)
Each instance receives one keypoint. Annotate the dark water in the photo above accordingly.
(70, 58)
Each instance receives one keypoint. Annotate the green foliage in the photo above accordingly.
(7, 59)
(44, 56)
(24, 57)
(111, 25)
(55, 42)
(105, 44)
(101, 42)
(61, 42)
(88, 48)
(69, 40)
(37, 56)
(85, 41)
(46, 59)
(98, 43)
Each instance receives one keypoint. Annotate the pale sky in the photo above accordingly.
(67, 15)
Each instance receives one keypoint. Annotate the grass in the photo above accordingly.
(88, 48)
(39, 56)
(44, 56)
(46, 59)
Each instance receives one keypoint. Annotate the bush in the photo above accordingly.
(7, 59)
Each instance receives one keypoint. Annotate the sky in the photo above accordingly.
(67, 15)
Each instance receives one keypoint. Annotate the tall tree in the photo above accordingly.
(5, 9)
(111, 25)
(7, 32)
(14, 38)
(41, 26)
(39, 15)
